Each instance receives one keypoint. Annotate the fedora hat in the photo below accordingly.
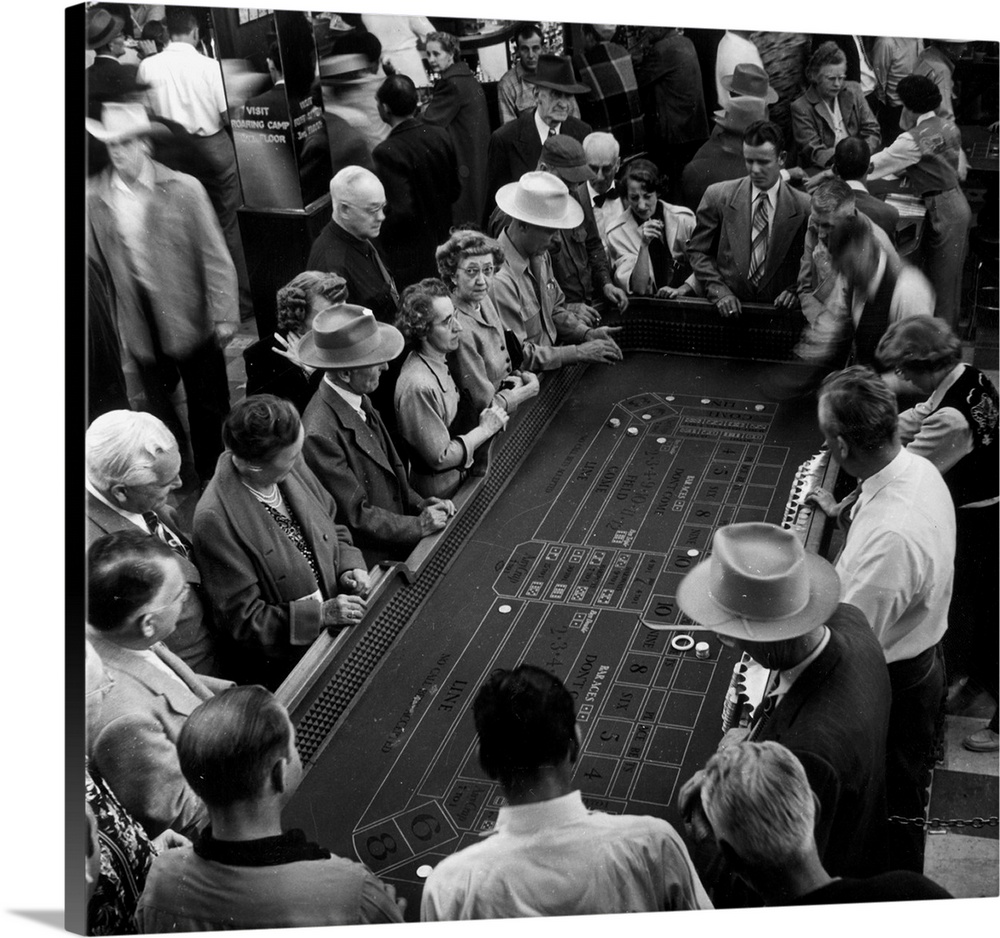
(740, 113)
(540, 199)
(556, 72)
(759, 585)
(102, 27)
(349, 336)
(750, 80)
(563, 153)
(346, 68)
(120, 121)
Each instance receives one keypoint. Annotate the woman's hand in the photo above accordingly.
(343, 609)
(650, 230)
(290, 350)
(492, 419)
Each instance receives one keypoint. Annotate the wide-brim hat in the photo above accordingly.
(750, 80)
(102, 27)
(556, 72)
(760, 585)
(348, 68)
(349, 336)
(564, 153)
(740, 113)
(123, 121)
(540, 199)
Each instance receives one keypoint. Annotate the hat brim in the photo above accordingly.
(824, 595)
(555, 86)
(117, 25)
(572, 217)
(384, 346)
(574, 173)
(96, 129)
(727, 82)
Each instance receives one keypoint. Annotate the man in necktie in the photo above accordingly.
(346, 443)
(602, 153)
(748, 238)
(897, 567)
(828, 697)
(132, 466)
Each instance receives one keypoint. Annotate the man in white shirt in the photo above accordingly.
(897, 567)
(186, 86)
(549, 854)
(603, 157)
(136, 591)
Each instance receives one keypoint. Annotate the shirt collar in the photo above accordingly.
(926, 117)
(772, 195)
(876, 280)
(132, 516)
(184, 48)
(857, 185)
(345, 235)
(529, 818)
(350, 398)
(871, 486)
(289, 847)
(144, 179)
(517, 262)
(934, 401)
(790, 675)
(543, 128)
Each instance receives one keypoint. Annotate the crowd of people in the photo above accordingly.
(459, 264)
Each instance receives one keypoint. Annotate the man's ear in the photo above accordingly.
(781, 157)
(147, 624)
(118, 493)
(575, 743)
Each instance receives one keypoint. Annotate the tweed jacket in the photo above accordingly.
(813, 127)
(719, 248)
(135, 745)
(191, 641)
(195, 280)
(257, 579)
(367, 480)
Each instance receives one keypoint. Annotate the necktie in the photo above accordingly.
(769, 702)
(386, 276)
(158, 530)
(552, 132)
(610, 195)
(758, 241)
(538, 274)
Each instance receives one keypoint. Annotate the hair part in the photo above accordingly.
(525, 720)
(125, 570)
(860, 408)
(123, 446)
(260, 425)
(416, 308)
(229, 744)
(760, 133)
(758, 800)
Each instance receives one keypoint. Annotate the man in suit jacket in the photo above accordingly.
(136, 592)
(515, 147)
(851, 159)
(346, 442)
(828, 695)
(107, 78)
(156, 234)
(748, 238)
(419, 171)
(132, 466)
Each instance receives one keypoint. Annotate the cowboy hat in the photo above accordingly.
(564, 154)
(102, 27)
(349, 336)
(555, 72)
(540, 199)
(120, 121)
(759, 585)
(751, 81)
(740, 113)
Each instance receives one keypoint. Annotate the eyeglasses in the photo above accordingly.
(473, 273)
(448, 323)
(372, 211)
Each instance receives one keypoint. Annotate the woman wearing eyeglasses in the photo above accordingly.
(277, 566)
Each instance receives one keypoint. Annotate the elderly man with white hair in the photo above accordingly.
(345, 245)
(603, 155)
(132, 465)
(754, 801)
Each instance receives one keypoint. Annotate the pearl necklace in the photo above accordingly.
(272, 501)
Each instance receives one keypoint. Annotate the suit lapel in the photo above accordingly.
(738, 222)
(527, 144)
(364, 439)
(784, 227)
(804, 688)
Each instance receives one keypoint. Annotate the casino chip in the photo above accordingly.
(505, 609)
(424, 871)
(647, 416)
(614, 422)
(632, 431)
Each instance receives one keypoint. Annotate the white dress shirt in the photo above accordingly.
(897, 565)
(186, 87)
(350, 398)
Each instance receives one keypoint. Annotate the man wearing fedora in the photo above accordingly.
(735, 49)
(897, 567)
(516, 146)
(157, 237)
(749, 233)
(528, 297)
(580, 262)
(346, 443)
(107, 78)
(514, 94)
(828, 695)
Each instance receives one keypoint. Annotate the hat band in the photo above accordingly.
(739, 614)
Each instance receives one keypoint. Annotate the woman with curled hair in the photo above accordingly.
(277, 566)
(485, 370)
(271, 362)
(956, 429)
(647, 243)
(831, 109)
(459, 105)
(426, 396)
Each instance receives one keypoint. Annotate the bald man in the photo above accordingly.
(345, 247)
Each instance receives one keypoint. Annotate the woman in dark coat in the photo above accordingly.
(276, 565)
(458, 104)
